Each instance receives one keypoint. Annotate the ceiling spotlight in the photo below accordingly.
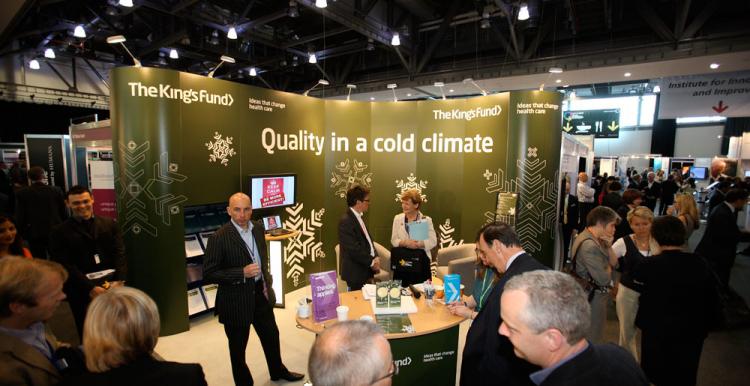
(395, 40)
(320, 81)
(253, 71)
(392, 87)
(350, 87)
(79, 32)
(484, 24)
(295, 61)
(471, 81)
(627, 74)
(541, 87)
(523, 12)
(232, 33)
(162, 61)
(293, 9)
(119, 39)
(370, 45)
(214, 39)
(312, 59)
(49, 53)
(566, 85)
(657, 89)
(223, 59)
(558, 81)
(714, 66)
(126, 3)
(34, 64)
(173, 54)
(451, 90)
(555, 70)
(321, 3)
(440, 85)
(372, 98)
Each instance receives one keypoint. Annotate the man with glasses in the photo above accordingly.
(351, 353)
(359, 261)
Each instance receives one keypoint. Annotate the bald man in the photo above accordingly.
(237, 261)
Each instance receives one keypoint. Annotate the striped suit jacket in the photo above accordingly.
(226, 256)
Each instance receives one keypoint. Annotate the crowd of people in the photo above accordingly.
(529, 324)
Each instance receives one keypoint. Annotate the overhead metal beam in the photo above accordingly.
(504, 42)
(182, 5)
(539, 38)
(437, 38)
(650, 17)
(508, 11)
(96, 72)
(59, 75)
(700, 20)
(164, 41)
(263, 20)
(312, 38)
(681, 18)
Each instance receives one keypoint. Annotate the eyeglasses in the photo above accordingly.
(390, 374)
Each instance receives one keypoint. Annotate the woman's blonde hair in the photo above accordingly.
(688, 207)
(412, 195)
(641, 212)
(121, 325)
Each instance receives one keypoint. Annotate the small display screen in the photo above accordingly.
(272, 222)
(699, 173)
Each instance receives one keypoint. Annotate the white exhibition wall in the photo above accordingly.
(698, 141)
(630, 142)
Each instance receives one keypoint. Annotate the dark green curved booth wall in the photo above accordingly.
(163, 163)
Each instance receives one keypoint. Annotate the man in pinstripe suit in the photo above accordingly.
(236, 259)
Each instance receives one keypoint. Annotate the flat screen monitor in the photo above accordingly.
(273, 191)
(272, 222)
(700, 173)
(747, 173)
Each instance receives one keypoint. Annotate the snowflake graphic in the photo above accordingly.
(304, 245)
(411, 184)
(349, 173)
(221, 149)
(531, 152)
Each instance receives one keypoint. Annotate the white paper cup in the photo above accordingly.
(342, 312)
(303, 311)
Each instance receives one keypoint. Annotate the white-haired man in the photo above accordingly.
(546, 315)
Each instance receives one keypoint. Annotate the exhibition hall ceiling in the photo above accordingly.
(500, 44)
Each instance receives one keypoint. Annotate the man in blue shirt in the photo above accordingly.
(236, 259)
(546, 316)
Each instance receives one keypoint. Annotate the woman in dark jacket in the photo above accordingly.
(119, 336)
(677, 307)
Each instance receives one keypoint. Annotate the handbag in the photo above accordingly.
(407, 260)
(588, 285)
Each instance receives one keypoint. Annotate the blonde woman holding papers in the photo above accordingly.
(412, 237)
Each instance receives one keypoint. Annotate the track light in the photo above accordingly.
(223, 59)
(49, 53)
(253, 71)
(126, 3)
(121, 40)
(321, 3)
(320, 81)
(232, 33)
(173, 54)
(350, 87)
(555, 70)
(523, 12)
(484, 24)
(471, 81)
(370, 45)
(34, 64)
(657, 89)
(395, 40)
(79, 32)
(713, 66)
(293, 9)
(312, 59)
(392, 87)
(440, 85)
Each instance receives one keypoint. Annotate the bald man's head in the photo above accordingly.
(240, 209)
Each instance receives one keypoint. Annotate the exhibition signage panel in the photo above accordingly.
(47, 151)
(601, 123)
(103, 188)
(725, 94)
(429, 359)
(325, 295)
(183, 139)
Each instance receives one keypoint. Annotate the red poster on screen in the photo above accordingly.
(273, 192)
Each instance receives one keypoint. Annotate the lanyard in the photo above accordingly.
(485, 288)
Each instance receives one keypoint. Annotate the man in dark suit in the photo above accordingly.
(236, 259)
(651, 191)
(719, 242)
(488, 357)
(39, 208)
(91, 249)
(555, 337)
(718, 195)
(568, 218)
(359, 261)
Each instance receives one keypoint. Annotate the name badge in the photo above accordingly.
(97, 260)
